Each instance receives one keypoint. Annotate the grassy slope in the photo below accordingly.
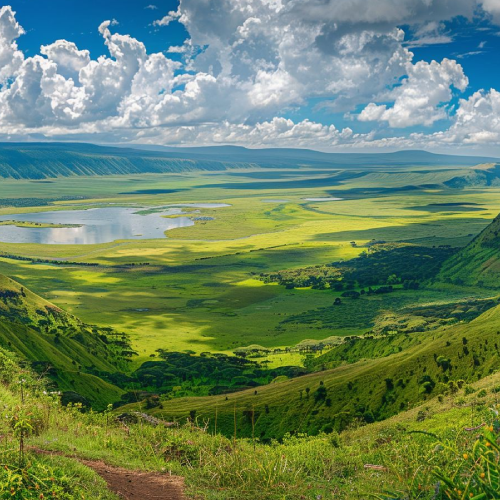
(330, 466)
(354, 389)
(41, 332)
(478, 263)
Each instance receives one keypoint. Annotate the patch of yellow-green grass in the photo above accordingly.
(42, 225)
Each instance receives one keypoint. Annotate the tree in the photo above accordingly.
(320, 394)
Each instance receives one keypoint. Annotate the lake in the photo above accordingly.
(98, 225)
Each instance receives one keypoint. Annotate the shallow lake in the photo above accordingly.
(97, 225)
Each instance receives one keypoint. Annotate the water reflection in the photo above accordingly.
(98, 225)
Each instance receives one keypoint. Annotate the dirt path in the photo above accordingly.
(132, 484)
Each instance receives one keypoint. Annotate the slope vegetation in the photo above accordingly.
(478, 263)
(59, 345)
(40, 161)
(369, 389)
(448, 446)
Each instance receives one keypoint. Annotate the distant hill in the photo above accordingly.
(290, 156)
(482, 176)
(47, 160)
(478, 263)
(59, 345)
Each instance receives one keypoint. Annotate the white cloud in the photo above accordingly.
(492, 7)
(477, 119)
(246, 63)
(279, 132)
(419, 99)
(68, 58)
(166, 20)
(11, 57)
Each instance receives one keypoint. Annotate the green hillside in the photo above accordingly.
(59, 345)
(478, 263)
(448, 445)
(368, 389)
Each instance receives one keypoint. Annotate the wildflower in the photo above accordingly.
(491, 428)
(488, 444)
(482, 475)
(466, 456)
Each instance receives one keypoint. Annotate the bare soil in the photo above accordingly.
(132, 484)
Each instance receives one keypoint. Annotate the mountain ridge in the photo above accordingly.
(49, 160)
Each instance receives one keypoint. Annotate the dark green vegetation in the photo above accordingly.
(182, 374)
(379, 264)
(373, 377)
(368, 390)
(478, 263)
(89, 363)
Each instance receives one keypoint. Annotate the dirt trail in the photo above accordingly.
(135, 485)
(132, 484)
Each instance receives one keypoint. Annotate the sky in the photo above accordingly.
(333, 75)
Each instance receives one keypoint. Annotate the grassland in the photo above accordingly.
(199, 291)
(428, 364)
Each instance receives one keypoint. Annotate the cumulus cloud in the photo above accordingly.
(68, 58)
(477, 119)
(11, 57)
(492, 7)
(244, 65)
(419, 98)
(279, 132)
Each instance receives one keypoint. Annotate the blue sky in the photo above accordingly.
(326, 74)
(48, 20)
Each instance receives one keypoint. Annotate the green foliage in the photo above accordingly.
(182, 374)
(44, 478)
(384, 264)
(475, 473)
(59, 345)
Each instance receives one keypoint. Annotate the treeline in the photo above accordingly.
(180, 374)
(381, 264)
(36, 202)
(35, 260)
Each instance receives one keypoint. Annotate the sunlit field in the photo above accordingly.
(200, 290)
